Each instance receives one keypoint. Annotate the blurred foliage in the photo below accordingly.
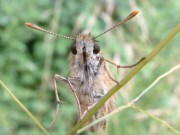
(29, 59)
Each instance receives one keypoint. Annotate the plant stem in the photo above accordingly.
(156, 118)
(128, 105)
(124, 81)
(24, 108)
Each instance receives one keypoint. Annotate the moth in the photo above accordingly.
(89, 77)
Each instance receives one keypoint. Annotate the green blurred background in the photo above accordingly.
(29, 59)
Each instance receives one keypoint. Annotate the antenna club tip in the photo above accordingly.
(135, 12)
(28, 24)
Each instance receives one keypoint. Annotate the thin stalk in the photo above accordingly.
(124, 81)
(104, 117)
(156, 81)
(128, 105)
(156, 118)
(24, 109)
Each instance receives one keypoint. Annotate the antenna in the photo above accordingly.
(41, 29)
(134, 13)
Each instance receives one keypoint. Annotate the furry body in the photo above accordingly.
(92, 80)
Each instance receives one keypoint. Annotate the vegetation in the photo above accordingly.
(29, 59)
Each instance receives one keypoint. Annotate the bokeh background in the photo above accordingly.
(29, 59)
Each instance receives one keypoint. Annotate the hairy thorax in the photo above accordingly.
(90, 81)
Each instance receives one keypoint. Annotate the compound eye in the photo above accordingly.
(73, 48)
(96, 48)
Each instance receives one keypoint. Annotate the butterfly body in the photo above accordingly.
(92, 79)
